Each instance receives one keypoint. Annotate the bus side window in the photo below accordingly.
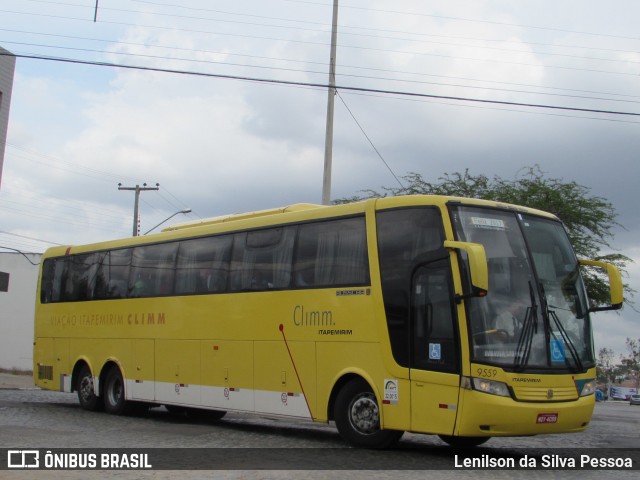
(51, 280)
(80, 277)
(114, 269)
(203, 265)
(262, 259)
(153, 270)
(332, 253)
(101, 284)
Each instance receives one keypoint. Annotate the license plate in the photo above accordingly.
(547, 418)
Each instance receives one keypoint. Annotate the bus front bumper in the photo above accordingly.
(491, 415)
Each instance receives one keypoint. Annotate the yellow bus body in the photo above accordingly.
(288, 352)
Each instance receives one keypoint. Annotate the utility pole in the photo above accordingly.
(328, 141)
(137, 189)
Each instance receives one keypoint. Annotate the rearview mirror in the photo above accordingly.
(615, 284)
(478, 269)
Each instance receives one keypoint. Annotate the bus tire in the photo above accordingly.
(357, 417)
(463, 442)
(86, 392)
(113, 393)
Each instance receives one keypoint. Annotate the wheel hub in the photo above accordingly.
(364, 415)
(86, 388)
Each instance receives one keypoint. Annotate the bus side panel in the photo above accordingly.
(61, 366)
(396, 413)
(277, 387)
(178, 379)
(227, 374)
(100, 351)
(364, 359)
(43, 368)
(51, 359)
(141, 382)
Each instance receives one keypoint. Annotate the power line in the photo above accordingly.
(322, 86)
(421, 54)
(69, 166)
(312, 71)
(624, 97)
(370, 141)
(63, 208)
(307, 42)
(461, 19)
(29, 238)
(21, 253)
(173, 205)
(298, 21)
(343, 32)
(498, 109)
(511, 90)
(57, 219)
(94, 173)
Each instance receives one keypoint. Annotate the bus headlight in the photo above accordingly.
(490, 386)
(586, 387)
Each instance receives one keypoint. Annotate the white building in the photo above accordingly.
(17, 308)
(7, 68)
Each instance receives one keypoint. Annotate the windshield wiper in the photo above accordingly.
(551, 314)
(567, 341)
(529, 329)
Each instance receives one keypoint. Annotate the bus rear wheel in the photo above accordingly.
(114, 398)
(357, 417)
(86, 391)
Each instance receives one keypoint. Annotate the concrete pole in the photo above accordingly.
(136, 204)
(328, 142)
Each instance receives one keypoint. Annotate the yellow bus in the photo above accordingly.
(457, 317)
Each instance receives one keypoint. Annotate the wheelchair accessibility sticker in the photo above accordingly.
(435, 351)
(557, 351)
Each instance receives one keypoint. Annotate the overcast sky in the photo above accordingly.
(219, 145)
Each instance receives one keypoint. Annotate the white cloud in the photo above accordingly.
(222, 146)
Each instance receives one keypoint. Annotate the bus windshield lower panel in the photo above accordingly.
(535, 315)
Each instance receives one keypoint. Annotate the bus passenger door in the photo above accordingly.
(434, 350)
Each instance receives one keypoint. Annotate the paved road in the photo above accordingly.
(31, 418)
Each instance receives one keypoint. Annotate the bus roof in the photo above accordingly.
(386, 202)
(293, 212)
(298, 207)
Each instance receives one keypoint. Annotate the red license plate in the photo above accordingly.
(547, 418)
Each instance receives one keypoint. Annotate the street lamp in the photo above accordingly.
(186, 210)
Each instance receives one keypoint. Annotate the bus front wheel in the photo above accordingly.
(86, 392)
(113, 393)
(357, 417)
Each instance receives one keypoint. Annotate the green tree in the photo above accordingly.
(632, 360)
(605, 366)
(589, 220)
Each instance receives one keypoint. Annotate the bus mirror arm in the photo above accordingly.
(615, 284)
(478, 270)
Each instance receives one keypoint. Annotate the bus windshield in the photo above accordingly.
(535, 316)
